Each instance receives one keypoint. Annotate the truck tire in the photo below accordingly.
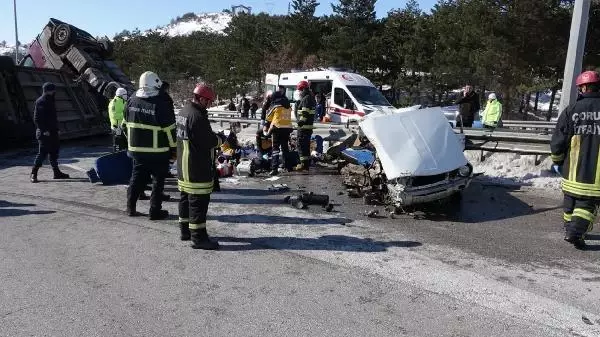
(6, 63)
(62, 36)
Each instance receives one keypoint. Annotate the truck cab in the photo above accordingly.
(64, 47)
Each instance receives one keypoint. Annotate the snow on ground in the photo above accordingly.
(208, 22)
(515, 169)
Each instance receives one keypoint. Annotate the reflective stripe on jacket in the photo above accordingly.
(196, 143)
(575, 145)
(150, 125)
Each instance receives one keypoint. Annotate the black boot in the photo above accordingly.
(159, 215)
(166, 197)
(33, 177)
(185, 231)
(58, 174)
(131, 211)
(200, 240)
(577, 241)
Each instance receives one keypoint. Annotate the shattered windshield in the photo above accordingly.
(368, 95)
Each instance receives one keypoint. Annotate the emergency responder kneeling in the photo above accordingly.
(150, 121)
(196, 143)
(305, 110)
(575, 149)
(278, 124)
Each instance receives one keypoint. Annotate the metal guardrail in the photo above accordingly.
(528, 142)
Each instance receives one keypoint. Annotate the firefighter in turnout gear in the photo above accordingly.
(575, 149)
(305, 110)
(150, 121)
(115, 114)
(196, 144)
(279, 126)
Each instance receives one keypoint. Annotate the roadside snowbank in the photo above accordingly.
(515, 169)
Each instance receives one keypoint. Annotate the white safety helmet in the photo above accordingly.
(150, 80)
(492, 96)
(121, 92)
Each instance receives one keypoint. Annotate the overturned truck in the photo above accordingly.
(405, 158)
(81, 68)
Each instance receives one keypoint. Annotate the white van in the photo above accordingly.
(349, 96)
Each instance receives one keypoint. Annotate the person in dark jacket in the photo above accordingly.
(253, 109)
(150, 121)
(245, 107)
(305, 110)
(196, 144)
(231, 106)
(575, 148)
(468, 106)
(46, 124)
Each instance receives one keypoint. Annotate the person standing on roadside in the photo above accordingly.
(46, 124)
(468, 106)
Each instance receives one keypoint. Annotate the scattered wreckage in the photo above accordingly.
(404, 158)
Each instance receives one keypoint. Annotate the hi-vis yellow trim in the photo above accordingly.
(195, 188)
(307, 127)
(143, 126)
(557, 157)
(566, 216)
(582, 189)
(195, 226)
(185, 160)
(148, 149)
(584, 214)
(172, 141)
(574, 157)
(184, 219)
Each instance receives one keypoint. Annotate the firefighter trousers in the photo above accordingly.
(193, 209)
(304, 146)
(140, 175)
(281, 147)
(579, 215)
(119, 143)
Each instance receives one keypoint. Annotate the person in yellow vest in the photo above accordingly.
(492, 113)
(279, 118)
(115, 114)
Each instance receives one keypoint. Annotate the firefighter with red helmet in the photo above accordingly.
(305, 110)
(575, 147)
(196, 143)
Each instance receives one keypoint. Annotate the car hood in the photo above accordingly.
(414, 142)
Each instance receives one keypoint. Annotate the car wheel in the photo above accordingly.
(62, 36)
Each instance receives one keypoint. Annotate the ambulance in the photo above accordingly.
(349, 96)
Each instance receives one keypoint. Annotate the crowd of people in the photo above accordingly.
(146, 126)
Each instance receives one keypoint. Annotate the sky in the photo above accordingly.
(108, 17)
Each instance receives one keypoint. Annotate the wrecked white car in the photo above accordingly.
(415, 157)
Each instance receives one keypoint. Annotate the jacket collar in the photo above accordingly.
(591, 95)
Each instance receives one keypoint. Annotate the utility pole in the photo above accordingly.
(573, 65)
(16, 33)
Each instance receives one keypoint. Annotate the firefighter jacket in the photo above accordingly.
(115, 111)
(575, 145)
(492, 113)
(150, 122)
(196, 143)
(306, 107)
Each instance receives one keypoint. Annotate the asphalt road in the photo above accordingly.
(71, 264)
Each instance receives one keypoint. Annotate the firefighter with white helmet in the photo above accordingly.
(150, 121)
